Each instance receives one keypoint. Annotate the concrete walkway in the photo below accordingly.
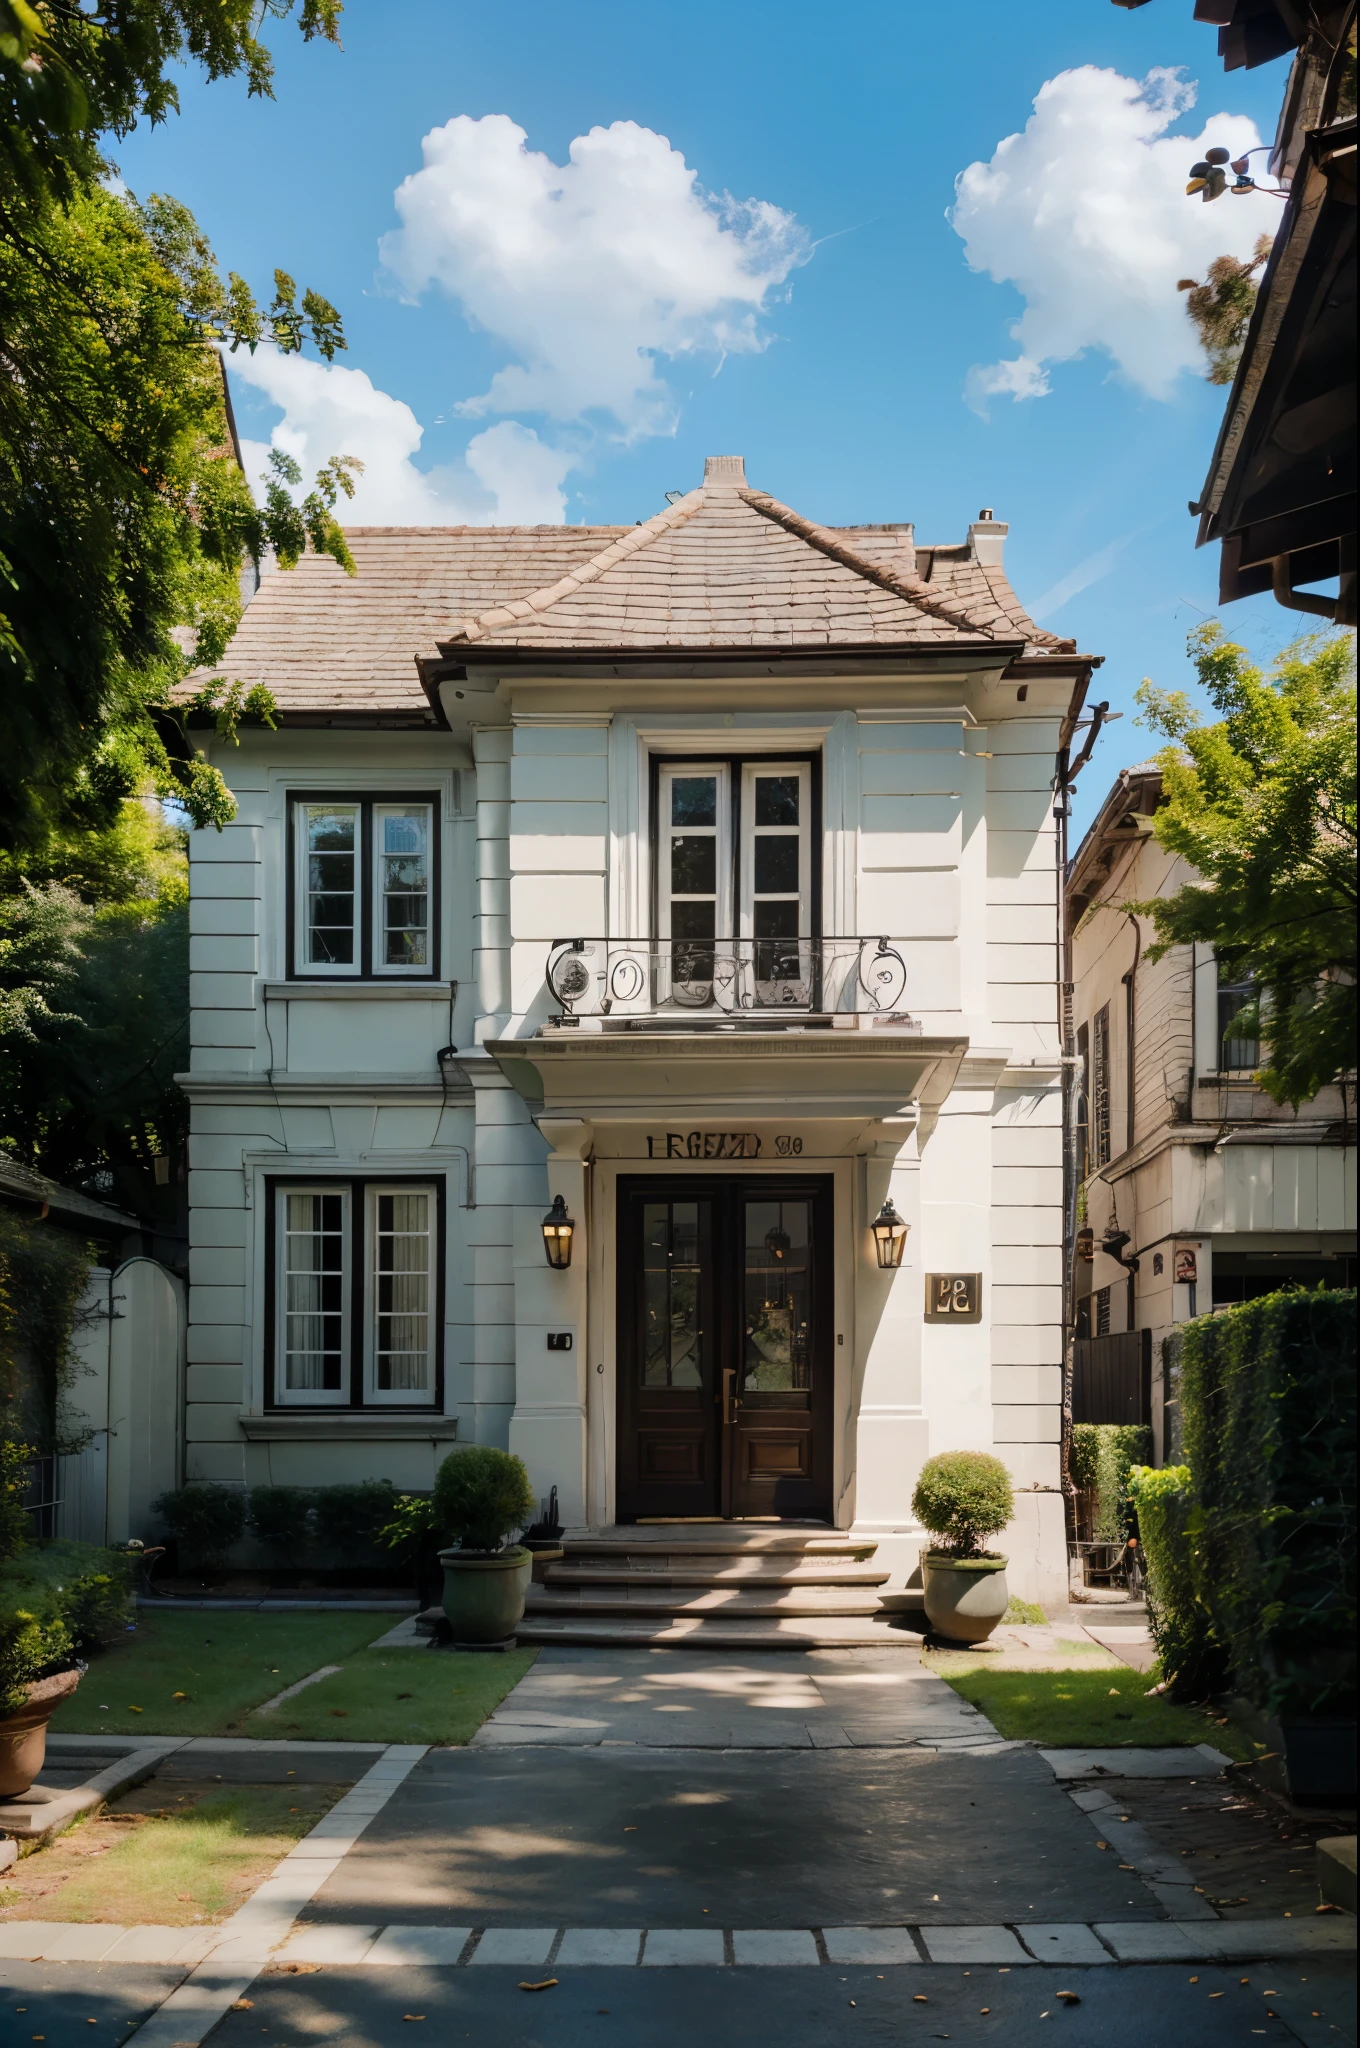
(710, 1850)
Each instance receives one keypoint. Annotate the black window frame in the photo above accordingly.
(365, 802)
(357, 1186)
(734, 763)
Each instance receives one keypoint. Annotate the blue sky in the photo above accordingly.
(835, 335)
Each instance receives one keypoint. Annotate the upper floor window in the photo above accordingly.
(1237, 1050)
(364, 896)
(1100, 1088)
(734, 847)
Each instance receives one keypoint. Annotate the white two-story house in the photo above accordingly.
(695, 884)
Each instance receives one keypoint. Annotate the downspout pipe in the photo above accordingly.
(1129, 1024)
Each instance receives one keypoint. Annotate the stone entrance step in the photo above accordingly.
(714, 1586)
(735, 1603)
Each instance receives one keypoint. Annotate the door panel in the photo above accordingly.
(725, 1356)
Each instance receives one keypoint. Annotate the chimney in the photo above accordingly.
(724, 472)
(987, 539)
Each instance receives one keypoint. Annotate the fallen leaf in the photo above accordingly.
(131, 1710)
(984, 2008)
(1215, 1994)
(405, 1695)
(1068, 1997)
(1113, 1693)
(342, 1714)
(413, 2015)
(919, 1998)
(546, 1984)
(244, 2005)
(179, 1695)
(1327, 1908)
(1102, 1845)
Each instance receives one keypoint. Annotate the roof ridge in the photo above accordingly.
(908, 587)
(476, 626)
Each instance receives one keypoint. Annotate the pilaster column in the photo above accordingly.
(548, 1427)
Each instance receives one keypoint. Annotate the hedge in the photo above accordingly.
(1191, 1658)
(1257, 1543)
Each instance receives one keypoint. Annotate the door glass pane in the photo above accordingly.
(694, 800)
(402, 1271)
(332, 840)
(404, 885)
(674, 1241)
(776, 864)
(313, 1292)
(777, 1310)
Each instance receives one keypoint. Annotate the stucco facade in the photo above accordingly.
(709, 862)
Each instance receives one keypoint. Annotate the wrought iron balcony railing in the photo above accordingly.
(726, 977)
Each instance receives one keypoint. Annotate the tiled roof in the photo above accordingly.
(725, 567)
(729, 567)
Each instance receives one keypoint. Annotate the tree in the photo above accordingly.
(1262, 805)
(1221, 308)
(124, 517)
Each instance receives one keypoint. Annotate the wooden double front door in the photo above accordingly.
(725, 1348)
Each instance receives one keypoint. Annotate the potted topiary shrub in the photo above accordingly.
(36, 1675)
(481, 1497)
(962, 1498)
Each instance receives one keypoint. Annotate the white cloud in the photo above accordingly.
(589, 271)
(1086, 214)
(508, 476)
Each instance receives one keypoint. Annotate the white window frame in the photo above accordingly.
(380, 970)
(751, 772)
(399, 1397)
(668, 773)
(325, 969)
(313, 1397)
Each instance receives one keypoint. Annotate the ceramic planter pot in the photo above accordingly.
(23, 1735)
(965, 1596)
(484, 1592)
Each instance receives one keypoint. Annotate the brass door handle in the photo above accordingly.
(728, 1394)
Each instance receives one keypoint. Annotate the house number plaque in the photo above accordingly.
(703, 1145)
(953, 1297)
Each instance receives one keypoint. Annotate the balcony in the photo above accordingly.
(754, 984)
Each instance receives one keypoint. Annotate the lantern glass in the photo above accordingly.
(557, 1235)
(890, 1236)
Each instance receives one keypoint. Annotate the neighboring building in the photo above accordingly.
(1200, 1191)
(703, 874)
(1280, 492)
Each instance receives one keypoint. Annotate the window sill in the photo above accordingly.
(319, 1425)
(385, 991)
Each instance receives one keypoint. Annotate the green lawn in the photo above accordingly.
(191, 1857)
(1105, 1709)
(398, 1696)
(198, 1673)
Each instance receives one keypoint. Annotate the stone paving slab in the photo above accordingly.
(1071, 1944)
(611, 1946)
(869, 1945)
(1203, 1761)
(771, 1946)
(688, 1947)
(973, 1945)
(526, 1947)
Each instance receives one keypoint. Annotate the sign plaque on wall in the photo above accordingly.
(953, 1297)
(1187, 1265)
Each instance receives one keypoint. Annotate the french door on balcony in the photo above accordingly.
(725, 1357)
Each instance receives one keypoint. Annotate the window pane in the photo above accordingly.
(692, 920)
(776, 800)
(694, 866)
(776, 920)
(332, 837)
(402, 1293)
(777, 1351)
(672, 1336)
(312, 1286)
(776, 866)
(694, 800)
(404, 885)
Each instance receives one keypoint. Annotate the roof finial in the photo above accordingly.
(725, 472)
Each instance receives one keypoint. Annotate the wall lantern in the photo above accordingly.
(778, 1242)
(557, 1230)
(890, 1236)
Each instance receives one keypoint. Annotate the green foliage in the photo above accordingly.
(206, 1520)
(413, 1519)
(14, 1522)
(1191, 1657)
(1263, 805)
(1024, 1613)
(281, 1515)
(87, 1588)
(482, 1496)
(43, 1276)
(99, 1021)
(349, 1519)
(1221, 308)
(963, 1497)
(1102, 1456)
(1267, 1395)
(31, 1646)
